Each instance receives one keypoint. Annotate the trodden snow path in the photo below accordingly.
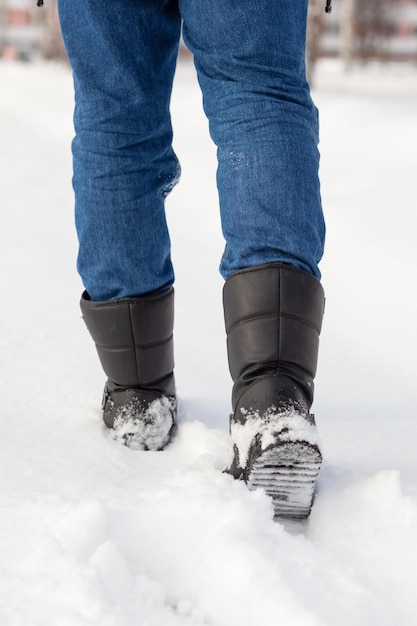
(93, 533)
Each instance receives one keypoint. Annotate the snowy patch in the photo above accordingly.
(144, 430)
(287, 426)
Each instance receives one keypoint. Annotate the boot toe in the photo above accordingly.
(139, 419)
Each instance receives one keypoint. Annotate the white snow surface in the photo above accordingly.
(149, 430)
(283, 426)
(92, 533)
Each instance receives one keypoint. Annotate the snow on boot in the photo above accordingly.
(134, 341)
(273, 317)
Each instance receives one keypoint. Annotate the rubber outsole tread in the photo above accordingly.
(288, 474)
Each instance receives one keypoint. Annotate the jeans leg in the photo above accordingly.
(250, 59)
(123, 54)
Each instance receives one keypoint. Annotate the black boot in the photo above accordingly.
(134, 341)
(273, 316)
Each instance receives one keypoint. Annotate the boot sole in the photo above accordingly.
(288, 474)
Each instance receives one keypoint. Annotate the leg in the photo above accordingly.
(250, 61)
(123, 55)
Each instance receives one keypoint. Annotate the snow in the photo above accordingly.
(94, 533)
(288, 426)
(144, 432)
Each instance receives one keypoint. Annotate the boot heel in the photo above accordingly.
(288, 474)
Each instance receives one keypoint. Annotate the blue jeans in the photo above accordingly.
(249, 56)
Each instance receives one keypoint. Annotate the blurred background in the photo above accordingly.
(355, 30)
(28, 32)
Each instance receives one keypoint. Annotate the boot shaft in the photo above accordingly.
(134, 339)
(273, 317)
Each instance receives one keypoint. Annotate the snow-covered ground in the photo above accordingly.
(92, 533)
